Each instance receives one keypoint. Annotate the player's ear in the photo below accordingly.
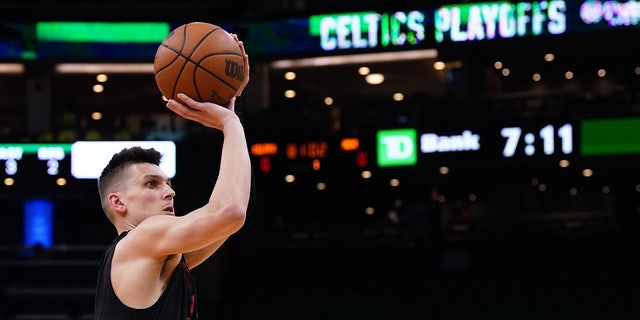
(116, 203)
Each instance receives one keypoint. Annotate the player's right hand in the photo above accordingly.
(208, 114)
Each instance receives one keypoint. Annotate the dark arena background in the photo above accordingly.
(412, 159)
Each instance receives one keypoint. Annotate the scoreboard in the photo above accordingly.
(37, 162)
(413, 147)
(41, 159)
(507, 143)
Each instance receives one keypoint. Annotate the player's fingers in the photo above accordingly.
(245, 81)
(190, 102)
(178, 107)
(245, 57)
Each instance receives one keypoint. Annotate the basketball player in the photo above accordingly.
(145, 273)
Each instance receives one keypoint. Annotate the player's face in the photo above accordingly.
(147, 192)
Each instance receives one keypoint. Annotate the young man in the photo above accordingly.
(145, 273)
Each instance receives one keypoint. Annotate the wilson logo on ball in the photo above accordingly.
(234, 70)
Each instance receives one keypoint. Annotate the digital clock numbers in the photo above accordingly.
(313, 149)
(408, 147)
(551, 138)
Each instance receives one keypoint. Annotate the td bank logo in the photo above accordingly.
(396, 147)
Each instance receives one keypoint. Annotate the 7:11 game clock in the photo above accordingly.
(546, 139)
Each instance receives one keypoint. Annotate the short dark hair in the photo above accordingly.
(121, 161)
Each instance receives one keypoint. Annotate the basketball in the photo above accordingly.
(201, 60)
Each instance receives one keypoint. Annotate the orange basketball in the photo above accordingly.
(202, 60)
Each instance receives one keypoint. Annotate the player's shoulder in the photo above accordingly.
(147, 234)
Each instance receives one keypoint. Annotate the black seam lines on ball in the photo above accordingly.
(195, 48)
(187, 58)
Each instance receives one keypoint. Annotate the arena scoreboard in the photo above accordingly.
(79, 160)
(38, 158)
(514, 143)
(406, 146)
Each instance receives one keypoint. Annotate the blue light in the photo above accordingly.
(38, 223)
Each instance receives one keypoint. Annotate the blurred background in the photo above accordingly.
(412, 159)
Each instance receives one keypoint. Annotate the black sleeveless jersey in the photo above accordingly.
(179, 300)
